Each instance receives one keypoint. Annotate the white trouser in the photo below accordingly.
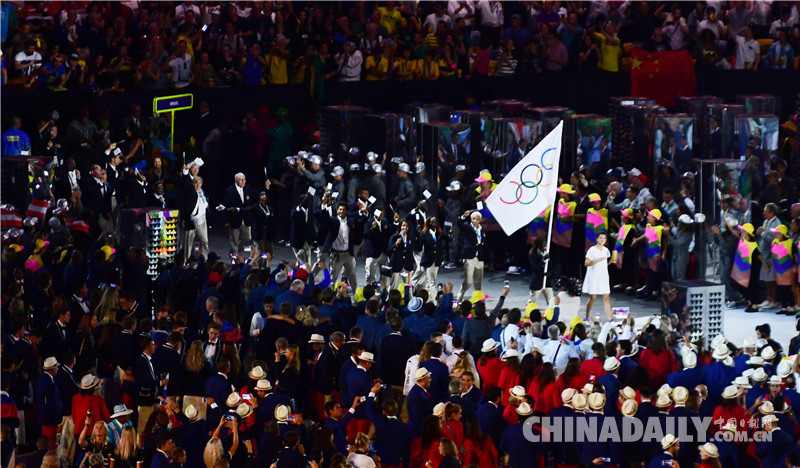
(430, 275)
(373, 268)
(548, 295)
(303, 255)
(342, 260)
(238, 237)
(199, 233)
(418, 278)
(397, 279)
(473, 276)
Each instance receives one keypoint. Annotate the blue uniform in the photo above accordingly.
(490, 418)
(391, 436)
(717, 376)
(358, 384)
(15, 142)
(419, 405)
(773, 452)
(660, 461)
(440, 378)
(689, 378)
(48, 401)
(521, 452)
(611, 384)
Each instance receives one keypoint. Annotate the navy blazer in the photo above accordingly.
(611, 384)
(145, 381)
(302, 228)
(218, 387)
(689, 378)
(626, 366)
(440, 378)
(467, 407)
(356, 234)
(419, 405)
(326, 372)
(391, 436)
(471, 245)
(402, 254)
(490, 418)
(339, 429)
(160, 460)
(347, 366)
(395, 349)
(432, 250)
(772, 453)
(359, 384)
(48, 401)
(475, 396)
(376, 238)
(231, 199)
(565, 452)
(67, 388)
(521, 452)
(266, 407)
(592, 450)
(166, 360)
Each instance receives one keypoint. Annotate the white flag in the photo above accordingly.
(530, 187)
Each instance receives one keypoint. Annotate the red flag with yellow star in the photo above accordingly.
(662, 76)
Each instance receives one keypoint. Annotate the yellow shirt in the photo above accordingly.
(404, 69)
(277, 72)
(376, 69)
(610, 53)
(189, 48)
(427, 72)
(390, 19)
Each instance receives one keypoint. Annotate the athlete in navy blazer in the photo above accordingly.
(490, 417)
(391, 435)
(420, 405)
(521, 452)
(440, 377)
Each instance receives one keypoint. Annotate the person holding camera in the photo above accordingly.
(214, 450)
(350, 62)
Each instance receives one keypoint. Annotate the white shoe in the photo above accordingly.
(764, 305)
(772, 305)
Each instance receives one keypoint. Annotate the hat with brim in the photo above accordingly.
(730, 427)
(282, 413)
(749, 342)
(664, 390)
(784, 368)
(766, 408)
(655, 213)
(628, 393)
(478, 296)
(597, 401)
(593, 197)
(741, 382)
(517, 391)
(50, 363)
(720, 352)
(489, 345)
(690, 360)
(709, 450)
(781, 229)
(415, 304)
(627, 213)
(317, 338)
(668, 441)
(244, 410)
(768, 353)
(663, 401)
(775, 380)
(89, 381)
(579, 402)
(748, 228)
(759, 375)
(190, 412)
(524, 409)
(680, 395)
(121, 410)
(367, 356)
(567, 395)
(768, 419)
(509, 353)
(484, 177)
(233, 400)
(565, 188)
(629, 408)
(755, 361)
(439, 409)
(610, 364)
(421, 373)
(588, 388)
(257, 373)
(730, 392)
(539, 349)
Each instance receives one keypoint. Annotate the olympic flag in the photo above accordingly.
(530, 187)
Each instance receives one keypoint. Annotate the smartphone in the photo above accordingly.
(163, 402)
(378, 284)
(591, 378)
(264, 255)
(455, 301)
(229, 417)
(113, 285)
(439, 286)
(606, 459)
(204, 28)
(505, 283)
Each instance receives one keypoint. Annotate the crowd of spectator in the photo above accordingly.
(118, 46)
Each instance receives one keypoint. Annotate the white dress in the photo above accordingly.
(596, 281)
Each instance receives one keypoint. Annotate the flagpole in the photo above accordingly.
(553, 214)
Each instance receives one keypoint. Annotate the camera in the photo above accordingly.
(572, 286)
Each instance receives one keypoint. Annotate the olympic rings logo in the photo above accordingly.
(534, 185)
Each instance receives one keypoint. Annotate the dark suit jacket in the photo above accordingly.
(53, 342)
(187, 200)
(419, 406)
(490, 418)
(67, 388)
(145, 382)
(521, 452)
(92, 196)
(391, 435)
(48, 401)
(264, 223)
(471, 246)
(302, 228)
(166, 360)
(440, 378)
(135, 193)
(160, 461)
(231, 199)
(432, 250)
(402, 255)
(326, 371)
(376, 238)
(218, 387)
(355, 223)
(395, 349)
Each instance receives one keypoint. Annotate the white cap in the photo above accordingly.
(316, 159)
(244, 410)
(404, 167)
(766, 408)
(775, 380)
(338, 171)
(419, 167)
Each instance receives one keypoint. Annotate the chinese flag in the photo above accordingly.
(662, 76)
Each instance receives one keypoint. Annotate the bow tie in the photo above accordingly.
(212, 343)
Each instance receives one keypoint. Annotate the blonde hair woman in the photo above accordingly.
(127, 452)
(359, 457)
(98, 442)
(412, 364)
(214, 451)
(287, 381)
(108, 301)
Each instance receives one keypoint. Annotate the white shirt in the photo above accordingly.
(510, 331)
(199, 212)
(211, 349)
(351, 69)
(746, 52)
(558, 356)
(240, 191)
(181, 70)
(432, 20)
(453, 5)
(412, 364)
(31, 62)
(491, 13)
(343, 238)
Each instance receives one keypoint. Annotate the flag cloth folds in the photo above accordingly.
(10, 219)
(662, 76)
(530, 187)
(77, 225)
(37, 208)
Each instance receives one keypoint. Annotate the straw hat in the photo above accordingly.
(509, 353)
(690, 360)
(367, 356)
(770, 418)
(755, 361)
(709, 449)
(121, 410)
(50, 363)
(730, 426)
(718, 340)
(89, 381)
(438, 410)
(775, 380)
(282, 413)
(784, 369)
(629, 408)
(748, 373)
(680, 394)
(489, 345)
(567, 395)
(244, 410)
(628, 393)
(421, 373)
(263, 385)
(768, 353)
(759, 375)
(597, 401)
(539, 349)
(234, 399)
(610, 364)
(316, 338)
(517, 391)
(588, 388)
(720, 352)
(663, 401)
(766, 408)
(579, 402)
(524, 409)
(730, 392)
(741, 382)
(190, 412)
(257, 373)
(664, 390)
(668, 441)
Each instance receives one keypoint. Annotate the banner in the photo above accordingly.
(37, 208)
(530, 187)
(662, 76)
